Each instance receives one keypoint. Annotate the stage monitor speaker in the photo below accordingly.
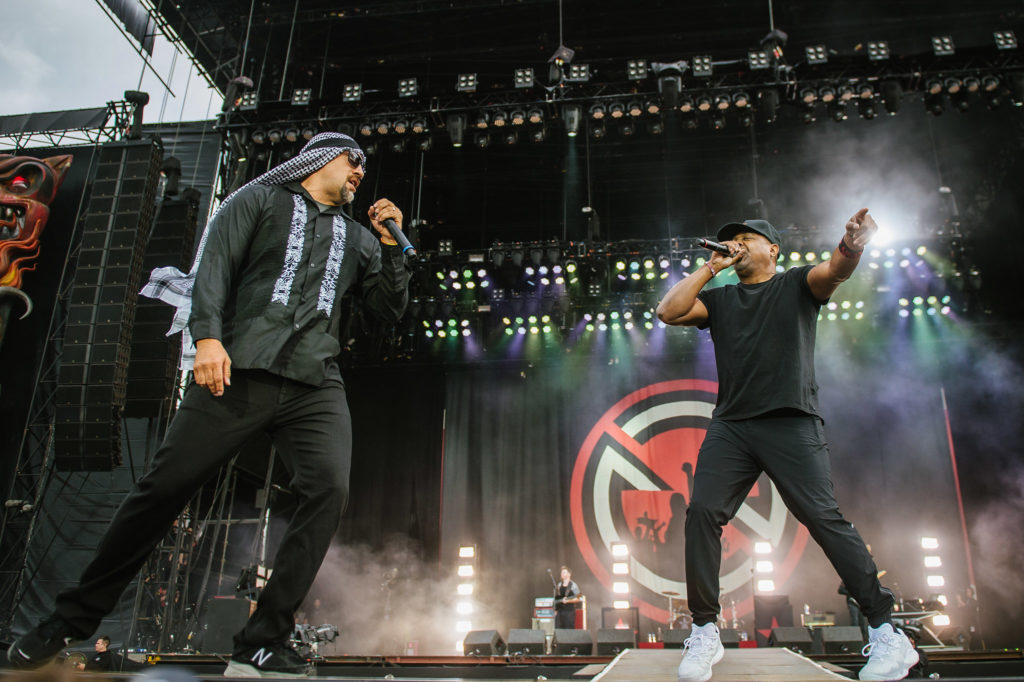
(771, 611)
(225, 617)
(730, 638)
(524, 641)
(569, 642)
(842, 639)
(483, 643)
(793, 638)
(674, 639)
(612, 641)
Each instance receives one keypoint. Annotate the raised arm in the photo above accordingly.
(824, 278)
(681, 307)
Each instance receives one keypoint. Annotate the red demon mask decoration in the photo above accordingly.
(27, 186)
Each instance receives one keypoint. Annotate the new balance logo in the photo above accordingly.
(261, 656)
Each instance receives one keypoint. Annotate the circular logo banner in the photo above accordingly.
(632, 483)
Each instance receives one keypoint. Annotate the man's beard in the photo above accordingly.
(347, 195)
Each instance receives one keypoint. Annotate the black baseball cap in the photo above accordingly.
(761, 227)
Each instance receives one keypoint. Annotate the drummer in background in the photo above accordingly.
(567, 595)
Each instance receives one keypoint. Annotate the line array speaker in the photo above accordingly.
(154, 355)
(92, 379)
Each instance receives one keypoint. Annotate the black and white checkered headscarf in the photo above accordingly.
(174, 287)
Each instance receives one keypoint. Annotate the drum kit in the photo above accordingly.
(679, 617)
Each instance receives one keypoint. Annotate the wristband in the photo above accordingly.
(845, 249)
(713, 273)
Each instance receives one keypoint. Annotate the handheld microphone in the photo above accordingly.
(715, 246)
(399, 237)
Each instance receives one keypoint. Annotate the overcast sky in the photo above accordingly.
(67, 54)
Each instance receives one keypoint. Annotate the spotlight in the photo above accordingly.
(702, 66)
(617, 110)
(866, 91)
(352, 92)
(249, 101)
(382, 127)
(762, 547)
(627, 129)
(1005, 40)
(301, 97)
(578, 73)
(942, 46)
(258, 137)
(990, 83)
(634, 108)
(308, 132)
(498, 119)
(838, 112)
(757, 59)
(482, 140)
(808, 96)
(816, 54)
(291, 134)
(826, 94)
(274, 135)
(929, 542)
(365, 129)
(972, 84)
(686, 104)
(539, 134)
(952, 85)
(597, 131)
(518, 117)
(523, 78)
(598, 111)
(481, 120)
(652, 106)
(401, 126)
(722, 102)
(419, 126)
(466, 82)
(846, 93)
(408, 87)
(704, 103)
(741, 99)
(878, 50)
(535, 115)
(571, 115)
(636, 69)
(456, 129)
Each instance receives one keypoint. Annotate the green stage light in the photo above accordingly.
(426, 324)
(649, 274)
(918, 300)
(810, 256)
(467, 274)
(546, 329)
(545, 319)
(917, 312)
(701, 261)
(442, 334)
(519, 320)
(648, 263)
(614, 314)
(534, 330)
(509, 331)
(570, 267)
(846, 305)
(888, 264)
(429, 334)
(825, 255)
(635, 275)
(946, 299)
(440, 274)
(620, 265)
(616, 326)
(859, 316)
(590, 326)
(532, 319)
(648, 325)
(452, 322)
(795, 257)
(921, 250)
(831, 316)
(932, 300)
(904, 302)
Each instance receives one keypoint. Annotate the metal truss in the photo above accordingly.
(114, 127)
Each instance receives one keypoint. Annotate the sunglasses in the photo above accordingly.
(355, 158)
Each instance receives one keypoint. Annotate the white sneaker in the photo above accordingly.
(703, 649)
(891, 655)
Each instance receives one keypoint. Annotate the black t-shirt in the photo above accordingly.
(566, 592)
(764, 345)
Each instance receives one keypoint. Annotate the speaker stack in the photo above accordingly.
(154, 355)
(91, 382)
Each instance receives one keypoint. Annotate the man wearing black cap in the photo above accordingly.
(262, 300)
(767, 419)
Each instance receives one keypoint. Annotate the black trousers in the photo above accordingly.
(565, 618)
(793, 452)
(311, 429)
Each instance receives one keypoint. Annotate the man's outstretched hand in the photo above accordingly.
(212, 367)
(860, 229)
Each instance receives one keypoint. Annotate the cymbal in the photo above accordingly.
(670, 593)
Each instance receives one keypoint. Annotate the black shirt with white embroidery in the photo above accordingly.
(273, 273)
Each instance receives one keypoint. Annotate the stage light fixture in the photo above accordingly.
(702, 66)
(620, 587)
(934, 86)
(535, 115)
(482, 140)
(352, 92)
(942, 46)
(952, 85)
(741, 99)
(765, 585)
(382, 127)
(481, 120)
(687, 105)
(408, 87)
(499, 119)
(866, 108)
(718, 121)
(620, 568)
(636, 69)
(827, 94)
(249, 101)
(627, 129)
(722, 102)
(816, 54)
(808, 96)
(571, 114)
(762, 547)
(763, 566)
(866, 91)
(990, 83)
(656, 126)
(634, 108)
(274, 135)
(523, 78)
(846, 93)
(258, 137)
(419, 126)
(935, 580)
(1005, 40)
(291, 134)
(466, 82)
(652, 106)
(704, 103)
(539, 134)
(308, 132)
(597, 131)
(757, 59)
(932, 562)
(928, 542)
(518, 117)
(878, 50)
(838, 112)
(401, 126)
(578, 73)
(619, 550)
(365, 129)
(456, 129)
(301, 97)
(598, 111)
(617, 110)
(971, 84)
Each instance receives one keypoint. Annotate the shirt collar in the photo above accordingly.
(297, 188)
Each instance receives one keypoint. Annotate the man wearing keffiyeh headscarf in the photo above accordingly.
(261, 301)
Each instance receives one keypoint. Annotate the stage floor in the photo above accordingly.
(739, 665)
